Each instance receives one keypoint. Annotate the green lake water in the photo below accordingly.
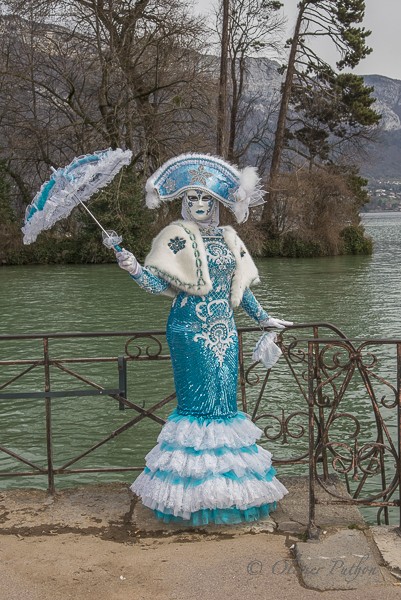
(360, 295)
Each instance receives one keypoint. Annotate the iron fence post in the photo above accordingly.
(48, 409)
(322, 422)
(122, 380)
(313, 531)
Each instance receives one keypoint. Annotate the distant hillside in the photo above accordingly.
(384, 160)
(384, 156)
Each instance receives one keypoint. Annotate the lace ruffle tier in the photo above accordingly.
(206, 470)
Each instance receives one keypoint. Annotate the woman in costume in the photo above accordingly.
(206, 466)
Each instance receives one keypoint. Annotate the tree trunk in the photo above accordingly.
(234, 111)
(222, 100)
(282, 117)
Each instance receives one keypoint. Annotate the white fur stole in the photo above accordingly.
(178, 255)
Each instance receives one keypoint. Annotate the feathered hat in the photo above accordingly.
(236, 189)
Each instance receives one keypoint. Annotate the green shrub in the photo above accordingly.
(354, 240)
(291, 247)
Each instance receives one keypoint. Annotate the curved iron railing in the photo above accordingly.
(343, 420)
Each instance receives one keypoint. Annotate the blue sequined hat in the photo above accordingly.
(236, 189)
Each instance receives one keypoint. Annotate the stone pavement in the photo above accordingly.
(270, 554)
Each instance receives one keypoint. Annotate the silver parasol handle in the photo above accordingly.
(110, 237)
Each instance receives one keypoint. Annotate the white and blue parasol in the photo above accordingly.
(72, 186)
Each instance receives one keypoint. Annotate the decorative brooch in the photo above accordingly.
(176, 244)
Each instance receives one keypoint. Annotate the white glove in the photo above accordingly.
(126, 260)
(278, 323)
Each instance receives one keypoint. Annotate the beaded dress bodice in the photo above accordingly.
(211, 317)
(203, 332)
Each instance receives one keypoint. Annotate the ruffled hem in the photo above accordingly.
(167, 492)
(220, 516)
(188, 462)
(209, 470)
(203, 433)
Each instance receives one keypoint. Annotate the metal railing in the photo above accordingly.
(333, 366)
(339, 423)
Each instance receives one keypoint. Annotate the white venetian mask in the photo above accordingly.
(200, 204)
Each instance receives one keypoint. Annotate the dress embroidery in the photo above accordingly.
(252, 307)
(176, 244)
(218, 332)
(215, 319)
(150, 282)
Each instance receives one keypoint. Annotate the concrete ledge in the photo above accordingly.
(343, 558)
(112, 511)
(93, 509)
(292, 515)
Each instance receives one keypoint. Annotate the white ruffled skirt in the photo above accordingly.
(209, 470)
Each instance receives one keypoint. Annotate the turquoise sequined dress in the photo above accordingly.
(206, 466)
